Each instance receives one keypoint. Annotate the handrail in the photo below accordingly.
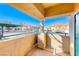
(15, 34)
(54, 52)
(56, 38)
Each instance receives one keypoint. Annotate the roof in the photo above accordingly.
(8, 25)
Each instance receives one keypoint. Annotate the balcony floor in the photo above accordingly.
(40, 52)
(44, 52)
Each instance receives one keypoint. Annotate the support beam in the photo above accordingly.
(40, 7)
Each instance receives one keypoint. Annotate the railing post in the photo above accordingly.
(1, 35)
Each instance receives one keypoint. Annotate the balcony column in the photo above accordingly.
(41, 26)
(41, 36)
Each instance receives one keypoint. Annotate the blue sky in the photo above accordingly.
(10, 14)
(59, 20)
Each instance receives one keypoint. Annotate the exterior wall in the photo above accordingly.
(61, 43)
(76, 10)
(71, 33)
(17, 46)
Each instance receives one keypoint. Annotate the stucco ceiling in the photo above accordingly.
(44, 10)
(46, 5)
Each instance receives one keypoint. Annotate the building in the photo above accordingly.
(60, 28)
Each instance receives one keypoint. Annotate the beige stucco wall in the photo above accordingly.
(71, 25)
(59, 42)
(17, 46)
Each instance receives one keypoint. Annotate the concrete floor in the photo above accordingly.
(50, 51)
(40, 52)
(44, 52)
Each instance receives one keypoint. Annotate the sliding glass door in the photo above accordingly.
(76, 34)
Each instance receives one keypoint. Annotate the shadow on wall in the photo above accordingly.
(59, 41)
(66, 44)
(17, 46)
